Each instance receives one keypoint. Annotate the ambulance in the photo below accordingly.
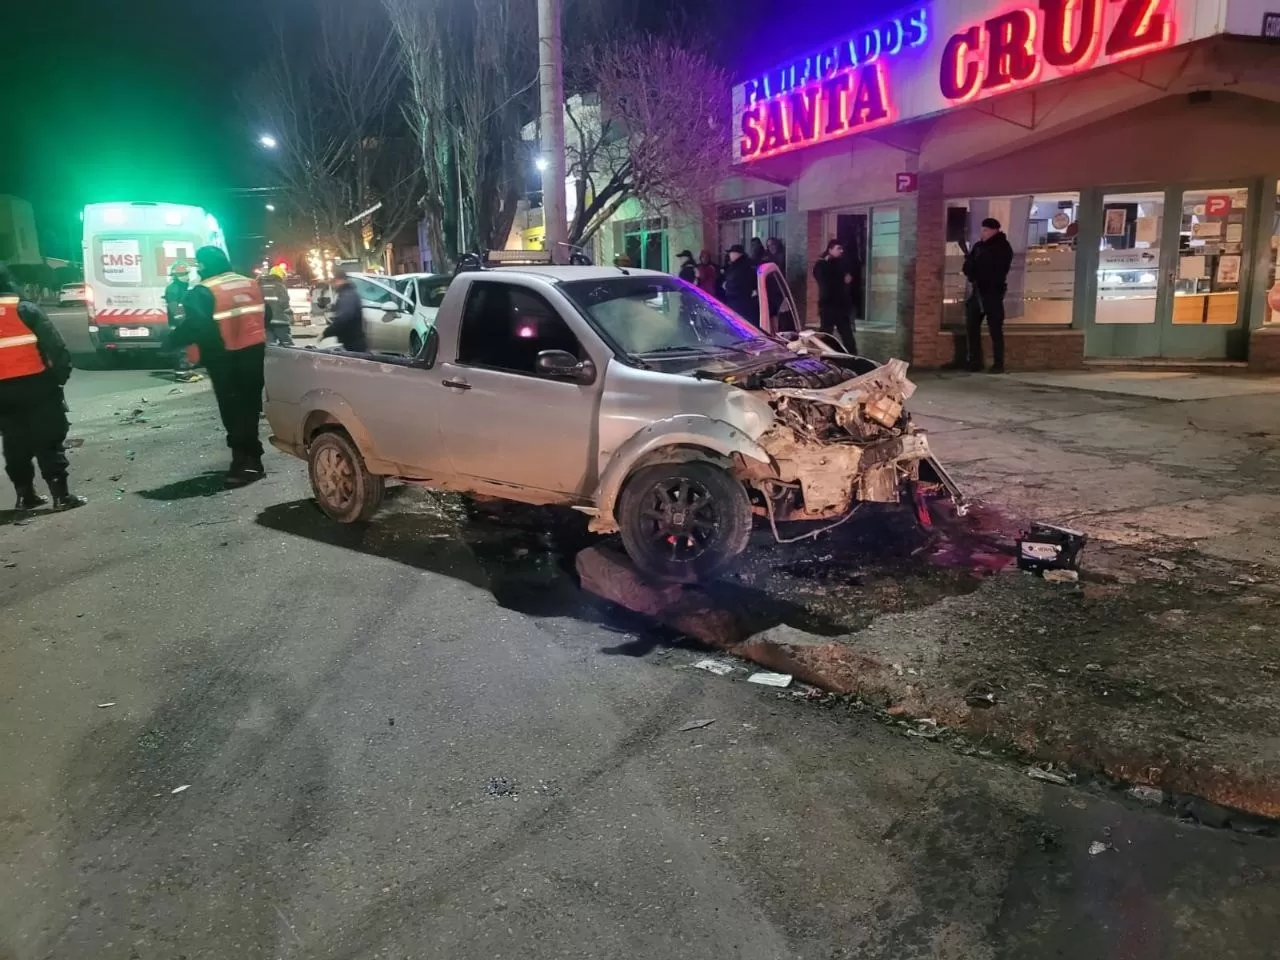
(128, 250)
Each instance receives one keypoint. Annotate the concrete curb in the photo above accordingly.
(841, 668)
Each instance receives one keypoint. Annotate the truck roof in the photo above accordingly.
(562, 274)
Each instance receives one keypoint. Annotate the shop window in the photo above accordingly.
(1042, 231)
(1210, 255)
(762, 218)
(883, 268)
(643, 242)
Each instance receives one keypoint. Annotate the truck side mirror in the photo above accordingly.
(563, 365)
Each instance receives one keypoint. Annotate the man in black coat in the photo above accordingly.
(348, 315)
(986, 266)
(835, 303)
(34, 366)
(740, 294)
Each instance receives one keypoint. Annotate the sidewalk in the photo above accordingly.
(1159, 668)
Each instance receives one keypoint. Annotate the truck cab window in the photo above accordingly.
(505, 328)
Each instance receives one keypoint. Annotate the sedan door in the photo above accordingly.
(388, 317)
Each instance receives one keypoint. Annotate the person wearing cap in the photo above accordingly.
(688, 269)
(225, 320)
(740, 285)
(177, 290)
(986, 266)
(34, 367)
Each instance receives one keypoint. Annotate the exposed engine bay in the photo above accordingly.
(842, 437)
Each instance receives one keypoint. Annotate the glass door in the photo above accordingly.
(1212, 250)
(1129, 291)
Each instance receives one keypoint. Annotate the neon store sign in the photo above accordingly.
(1011, 50)
(839, 91)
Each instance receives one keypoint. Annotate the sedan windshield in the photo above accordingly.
(656, 317)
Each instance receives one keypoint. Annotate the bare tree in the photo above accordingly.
(333, 107)
(655, 128)
(471, 68)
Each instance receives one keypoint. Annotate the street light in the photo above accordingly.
(271, 208)
(541, 164)
(267, 141)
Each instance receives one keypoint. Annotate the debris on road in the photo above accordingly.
(718, 667)
(696, 725)
(74, 442)
(1145, 794)
(181, 789)
(1162, 563)
(103, 706)
(1094, 667)
(1048, 776)
(1046, 548)
(1061, 576)
(769, 679)
(1098, 847)
(981, 695)
(501, 787)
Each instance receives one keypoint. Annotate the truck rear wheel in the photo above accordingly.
(343, 486)
(684, 521)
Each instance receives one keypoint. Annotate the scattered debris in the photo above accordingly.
(1162, 563)
(696, 725)
(1098, 847)
(1061, 576)
(181, 789)
(1048, 776)
(103, 706)
(1046, 547)
(75, 442)
(1049, 838)
(1145, 794)
(501, 787)
(718, 667)
(981, 695)
(770, 679)
(1095, 667)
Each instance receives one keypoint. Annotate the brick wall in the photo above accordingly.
(1023, 349)
(929, 346)
(1264, 350)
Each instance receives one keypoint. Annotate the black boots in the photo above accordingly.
(28, 499)
(63, 499)
(243, 471)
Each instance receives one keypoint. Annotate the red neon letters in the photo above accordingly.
(1010, 49)
(849, 102)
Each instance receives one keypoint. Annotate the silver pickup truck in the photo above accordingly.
(626, 394)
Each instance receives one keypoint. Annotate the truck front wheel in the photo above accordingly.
(684, 521)
(344, 488)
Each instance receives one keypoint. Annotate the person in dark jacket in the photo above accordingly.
(835, 305)
(177, 290)
(740, 285)
(225, 319)
(348, 315)
(756, 251)
(986, 266)
(34, 367)
(775, 251)
(279, 312)
(688, 269)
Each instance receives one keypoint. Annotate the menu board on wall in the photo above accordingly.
(1228, 270)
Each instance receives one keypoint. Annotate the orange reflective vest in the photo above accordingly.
(19, 353)
(240, 311)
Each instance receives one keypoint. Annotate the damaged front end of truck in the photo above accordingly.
(840, 439)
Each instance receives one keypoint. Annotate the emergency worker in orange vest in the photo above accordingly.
(224, 319)
(34, 366)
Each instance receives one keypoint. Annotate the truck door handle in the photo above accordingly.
(457, 384)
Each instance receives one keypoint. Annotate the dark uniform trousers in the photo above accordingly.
(35, 430)
(237, 385)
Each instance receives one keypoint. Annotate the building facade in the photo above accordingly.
(1130, 149)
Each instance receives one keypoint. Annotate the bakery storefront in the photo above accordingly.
(1130, 148)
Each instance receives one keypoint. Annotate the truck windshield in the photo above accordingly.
(660, 316)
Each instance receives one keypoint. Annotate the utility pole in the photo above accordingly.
(551, 92)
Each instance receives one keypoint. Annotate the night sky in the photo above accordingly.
(137, 99)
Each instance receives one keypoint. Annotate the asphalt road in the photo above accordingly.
(230, 728)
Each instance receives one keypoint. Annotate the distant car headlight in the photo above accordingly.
(93, 328)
